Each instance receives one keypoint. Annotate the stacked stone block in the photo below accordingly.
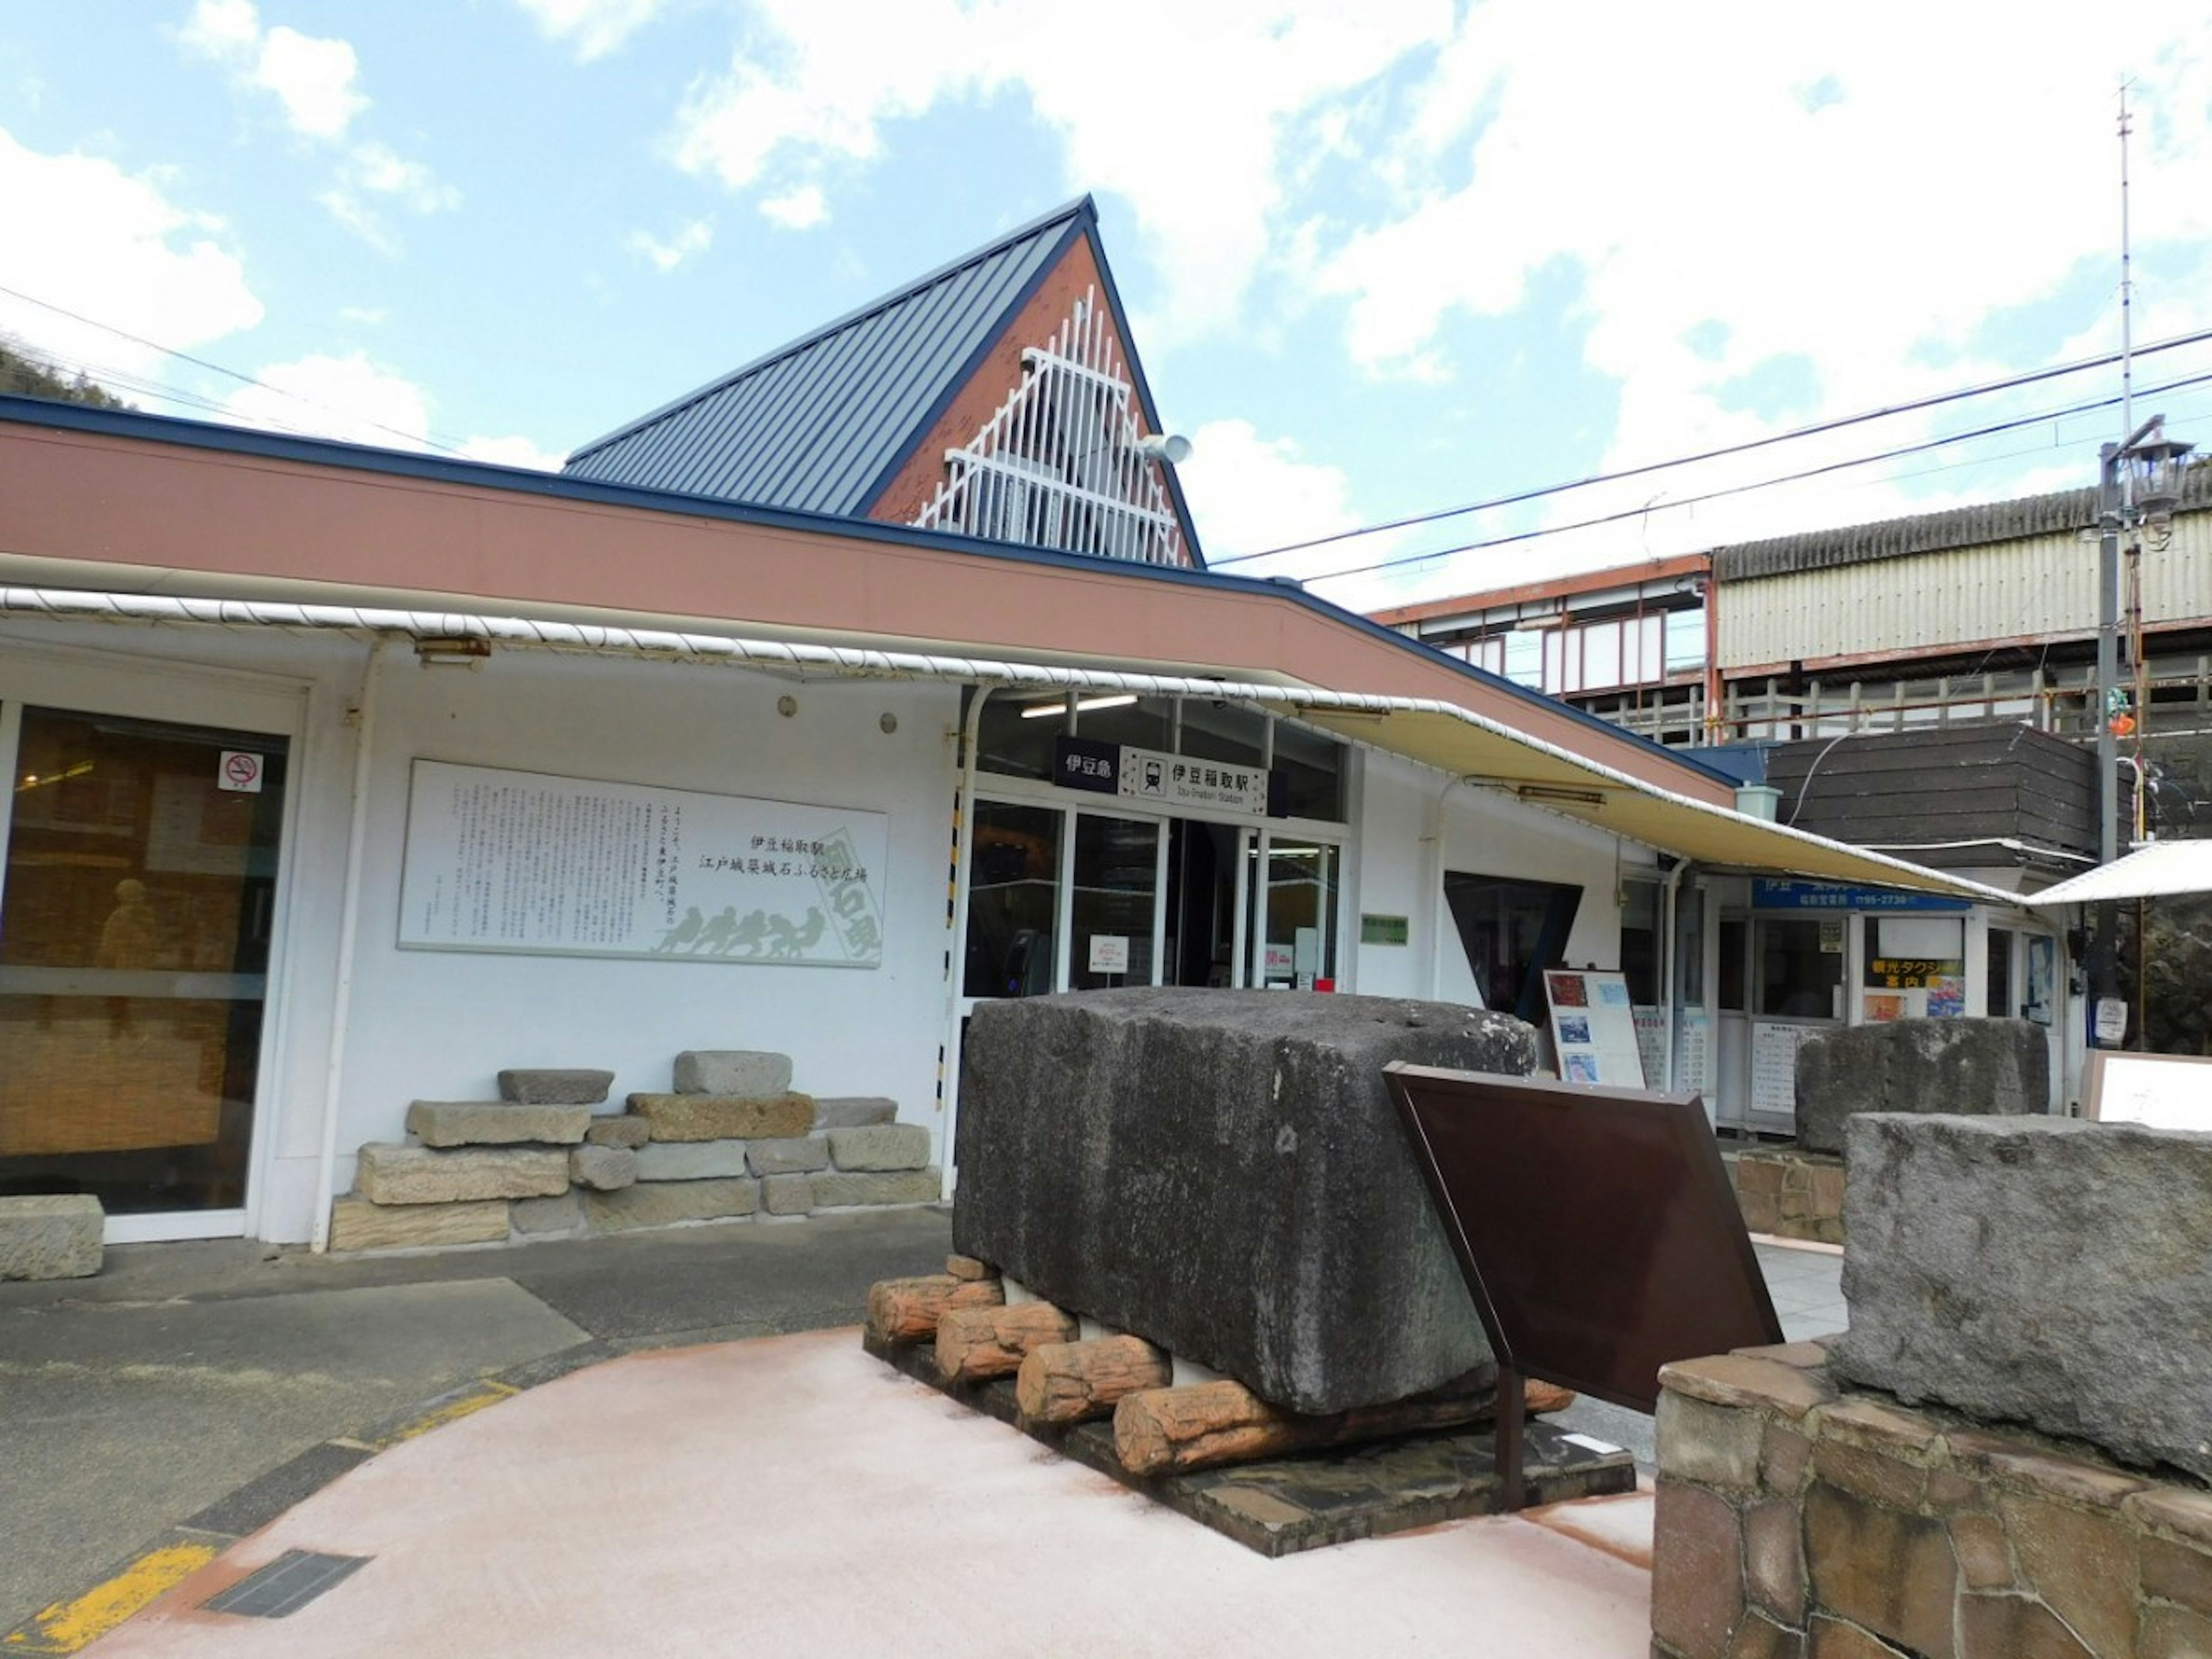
(1797, 1520)
(1786, 1193)
(729, 1140)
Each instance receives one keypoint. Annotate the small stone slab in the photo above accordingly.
(358, 1225)
(787, 1194)
(447, 1123)
(725, 1117)
(390, 1174)
(801, 1155)
(2036, 1270)
(664, 1203)
(603, 1169)
(839, 1191)
(49, 1236)
(543, 1087)
(885, 1147)
(544, 1216)
(853, 1111)
(626, 1130)
(750, 1072)
(691, 1160)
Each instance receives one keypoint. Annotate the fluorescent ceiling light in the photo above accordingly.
(1043, 709)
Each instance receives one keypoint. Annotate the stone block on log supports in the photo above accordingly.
(1223, 1174)
(1169, 1430)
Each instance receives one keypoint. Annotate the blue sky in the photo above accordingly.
(1382, 257)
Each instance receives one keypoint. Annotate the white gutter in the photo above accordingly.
(327, 1159)
(856, 662)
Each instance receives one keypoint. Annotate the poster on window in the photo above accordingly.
(1594, 1028)
(529, 863)
(1774, 1063)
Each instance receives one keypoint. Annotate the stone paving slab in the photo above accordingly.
(1286, 1506)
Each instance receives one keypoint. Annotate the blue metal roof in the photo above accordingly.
(821, 425)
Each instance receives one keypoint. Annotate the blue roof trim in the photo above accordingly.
(882, 302)
(525, 481)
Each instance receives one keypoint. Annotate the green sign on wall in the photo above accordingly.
(1383, 930)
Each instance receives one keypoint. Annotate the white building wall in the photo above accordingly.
(1485, 832)
(440, 1024)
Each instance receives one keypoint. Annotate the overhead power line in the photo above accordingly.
(435, 442)
(1745, 447)
(1746, 488)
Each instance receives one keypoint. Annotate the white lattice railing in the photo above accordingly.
(1057, 464)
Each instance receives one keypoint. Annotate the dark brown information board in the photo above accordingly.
(1595, 1227)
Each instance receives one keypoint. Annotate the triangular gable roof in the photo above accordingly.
(824, 423)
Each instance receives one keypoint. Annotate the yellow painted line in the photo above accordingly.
(67, 1626)
(452, 1411)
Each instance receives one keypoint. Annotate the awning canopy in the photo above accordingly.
(2163, 868)
(1482, 751)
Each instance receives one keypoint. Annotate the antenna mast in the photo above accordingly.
(2127, 288)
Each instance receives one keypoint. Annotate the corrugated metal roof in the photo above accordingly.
(817, 424)
(2064, 510)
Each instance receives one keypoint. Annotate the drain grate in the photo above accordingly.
(285, 1585)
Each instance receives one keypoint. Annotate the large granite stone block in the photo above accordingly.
(358, 1225)
(664, 1203)
(835, 1191)
(49, 1236)
(725, 1117)
(390, 1174)
(1222, 1173)
(885, 1147)
(732, 1072)
(548, 1087)
(796, 1155)
(2036, 1270)
(495, 1123)
(692, 1160)
(1978, 1067)
(853, 1111)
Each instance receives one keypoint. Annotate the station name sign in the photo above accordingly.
(1159, 780)
(1835, 895)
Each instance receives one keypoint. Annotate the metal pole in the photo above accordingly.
(2103, 945)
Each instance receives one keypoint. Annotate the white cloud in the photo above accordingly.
(513, 451)
(373, 174)
(1247, 493)
(131, 257)
(694, 238)
(347, 398)
(1206, 117)
(310, 76)
(595, 27)
(798, 208)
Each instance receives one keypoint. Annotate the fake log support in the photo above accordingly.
(1168, 1431)
(903, 1310)
(977, 1344)
(1065, 1382)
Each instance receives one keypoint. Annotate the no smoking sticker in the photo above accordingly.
(240, 770)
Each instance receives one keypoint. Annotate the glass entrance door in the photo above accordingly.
(137, 910)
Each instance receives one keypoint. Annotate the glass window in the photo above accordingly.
(1511, 931)
(1013, 891)
(1297, 939)
(1015, 737)
(1116, 878)
(1106, 719)
(1797, 978)
(1999, 1005)
(1223, 731)
(1308, 773)
(1690, 947)
(134, 955)
(1639, 941)
(1732, 940)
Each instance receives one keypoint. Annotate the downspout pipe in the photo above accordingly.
(364, 725)
(1435, 895)
(956, 956)
(1669, 965)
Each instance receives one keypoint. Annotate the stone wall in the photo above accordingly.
(1797, 1520)
(729, 1140)
(1788, 1193)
